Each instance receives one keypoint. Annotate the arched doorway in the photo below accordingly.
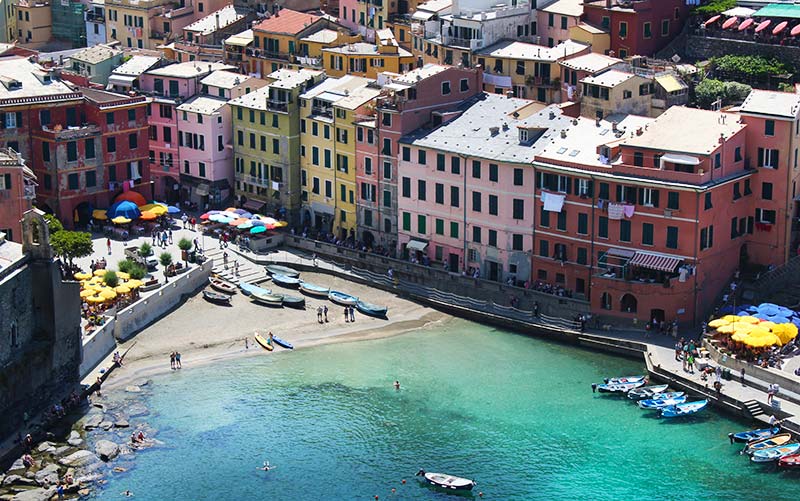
(628, 303)
(81, 214)
(171, 189)
(368, 238)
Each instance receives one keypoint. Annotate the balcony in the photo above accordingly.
(267, 54)
(276, 105)
(322, 111)
(29, 192)
(257, 181)
(94, 17)
(57, 133)
(466, 43)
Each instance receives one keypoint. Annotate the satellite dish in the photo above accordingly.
(676, 59)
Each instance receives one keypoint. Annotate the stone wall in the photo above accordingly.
(97, 346)
(700, 47)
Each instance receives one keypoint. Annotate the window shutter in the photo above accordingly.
(569, 186)
(619, 193)
(761, 157)
(775, 159)
(538, 179)
(641, 196)
(590, 188)
(2, 120)
(654, 198)
(19, 119)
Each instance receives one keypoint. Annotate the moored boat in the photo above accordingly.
(342, 298)
(276, 269)
(282, 343)
(766, 443)
(446, 481)
(263, 341)
(790, 462)
(248, 288)
(684, 409)
(774, 453)
(618, 387)
(293, 301)
(751, 435)
(658, 403)
(285, 280)
(623, 380)
(222, 285)
(371, 309)
(647, 392)
(216, 297)
(267, 299)
(314, 290)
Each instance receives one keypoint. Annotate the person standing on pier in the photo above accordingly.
(352, 313)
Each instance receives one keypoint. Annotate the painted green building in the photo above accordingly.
(68, 22)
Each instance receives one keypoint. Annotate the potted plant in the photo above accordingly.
(184, 244)
(166, 260)
(145, 249)
(111, 279)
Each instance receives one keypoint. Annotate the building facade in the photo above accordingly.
(34, 22)
(95, 16)
(68, 22)
(17, 192)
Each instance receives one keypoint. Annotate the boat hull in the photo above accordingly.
(790, 462)
(372, 310)
(618, 388)
(449, 482)
(342, 298)
(685, 409)
(222, 285)
(280, 342)
(774, 453)
(286, 281)
(767, 443)
(276, 269)
(752, 435)
(646, 392)
(624, 380)
(313, 290)
(216, 297)
(293, 301)
(267, 299)
(658, 403)
(247, 288)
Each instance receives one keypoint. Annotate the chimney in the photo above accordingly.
(613, 126)
(216, 19)
(639, 131)
(505, 126)
(597, 121)
(509, 94)
(493, 131)
(721, 138)
(563, 133)
(552, 115)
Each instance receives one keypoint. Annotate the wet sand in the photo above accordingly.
(204, 332)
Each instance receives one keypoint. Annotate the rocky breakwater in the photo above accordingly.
(101, 442)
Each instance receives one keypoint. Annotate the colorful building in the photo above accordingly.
(95, 17)
(34, 22)
(68, 23)
(17, 192)
(266, 144)
(367, 59)
(616, 91)
(8, 21)
(96, 63)
(555, 19)
(575, 69)
(366, 18)
(202, 39)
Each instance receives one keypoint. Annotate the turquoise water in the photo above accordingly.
(515, 413)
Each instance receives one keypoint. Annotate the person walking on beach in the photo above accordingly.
(325, 312)
(246, 344)
(352, 313)
(178, 360)
(742, 376)
(319, 314)
(225, 259)
(172, 360)
(346, 315)
(236, 268)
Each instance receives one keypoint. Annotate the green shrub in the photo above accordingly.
(137, 271)
(125, 265)
(145, 249)
(111, 279)
(714, 7)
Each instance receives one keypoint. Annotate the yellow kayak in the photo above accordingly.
(263, 342)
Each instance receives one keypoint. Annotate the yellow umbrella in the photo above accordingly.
(96, 299)
(759, 331)
(281, 224)
(157, 209)
(726, 329)
(120, 220)
(134, 284)
(107, 293)
(99, 273)
(82, 275)
(739, 336)
(87, 292)
(99, 214)
(121, 289)
(731, 318)
(741, 328)
(749, 319)
(123, 276)
(767, 325)
(718, 323)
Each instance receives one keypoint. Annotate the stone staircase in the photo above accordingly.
(248, 270)
(754, 408)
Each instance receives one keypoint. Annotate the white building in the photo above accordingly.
(95, 17)
(474, 24)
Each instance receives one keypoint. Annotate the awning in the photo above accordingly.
(421, 15)
(655, 261)
(121, 80)
(670, 84)
(253, 205)
(417, 245)
(201, 190)
(615, 252)
(497, 80)
(779, 11)
(680, 159)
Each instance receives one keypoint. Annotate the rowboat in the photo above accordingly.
(293, 301)
(267, 299)
(216, 297)
(342, 298)
(790, 462)
(622, 380)
(260, 339)
(658, 403)
(314, 290)
(281, 342)
(371, 309)
(774, 453)
(766, 443)
(285, 280)
(619, 388)
(647, 392)
(222, 285)
(276, 269)
(685, 409)
(248, 288)
(751, 435)
(446, 481)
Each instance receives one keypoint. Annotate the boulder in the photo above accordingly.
(74, 439)
(80, 458)
(74, 434)
(106, 449)
(106, 425)
(46, 447)
(36, 494)
(6, 497)
(136, 410)
(30, 474)
(60, 451)
(121, 423)
(17, 480)
(17, 465)
(93, 421)
(47, 475)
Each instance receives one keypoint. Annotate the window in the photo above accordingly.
(583, 223)
(493, 205)
(492, 238)
(454, 196)
(518, 177)
(445, 88)
(454, 229)
(440, 162)
(367, 166)
(201, 169)
(406, 154)
(421, 224)
(518, 208)
(406, 221)
(476, 169)
(186, 167)
(544, 217)
(406, 187)
(110, 118)
(476, 234)
(665, 27)
(516, 242)
(561, 221)
(455, 165)
(602, 227)
(328, 189)
(647, 233)
(439, 223)
(493, 173)
(276, 147)
(72, 152)
(707, 205)
(672, 237)
(673, 199)
(314, 155)
(44, 117)
(747, 190)
(421, 189)
(623, 29)
(439, 193)
(220, 145)
(89, 147)
(111, 144)
(584, 188)
(326, 158)
(464, 85)
(717, 160)
(91, 179)
(765, 216)
(737, 154)
(46, 151)
(544, 248)
(133, 141)
(648, 32)
(387, 170)
(736, 192)
(638, 159)
(648, 197)
(314, 129)
(421, 157)
(315, 185)
(624, 230)
(769, 127)
(72, 181)
(563, 22)
(387, 146)
(326, 132)
(766, 191)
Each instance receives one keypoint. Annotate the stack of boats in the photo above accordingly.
(769, 445)
(223, 290)
(668, 404)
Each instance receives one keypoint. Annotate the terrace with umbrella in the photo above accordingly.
(777, 24)
(104, 289)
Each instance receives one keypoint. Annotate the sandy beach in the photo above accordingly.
(203, 332)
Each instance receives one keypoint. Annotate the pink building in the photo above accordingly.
(17, 191)
(554, 21)
(169, 86)
(411, 100)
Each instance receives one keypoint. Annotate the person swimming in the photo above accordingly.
(397, 385)
(266, 467)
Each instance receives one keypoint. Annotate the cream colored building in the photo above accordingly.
(34, 22)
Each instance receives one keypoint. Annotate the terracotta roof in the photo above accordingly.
(286, 21)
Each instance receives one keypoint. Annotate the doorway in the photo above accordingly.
(494, 271)
(452, 262)
(658, 315)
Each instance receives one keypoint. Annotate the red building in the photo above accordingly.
(637, 27)
(17, 191)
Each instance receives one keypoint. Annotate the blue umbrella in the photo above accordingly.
(779, 319)
(245, 226)
(256, 222)
(257, 229)
(770, 310)
(761, 316)
(123, 208)
(171, 209)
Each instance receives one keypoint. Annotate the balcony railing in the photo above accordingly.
(258, 181)
(93, 17)
(68, 133)
(276, 105)
(322, 111)
(467, 43)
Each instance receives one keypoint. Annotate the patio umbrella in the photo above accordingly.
(749, 319)
(87, 292)
(148, 216)
(795, 31)
(718, 323)
(125, 209)
(729, 23)
(99, 214)
(121, 220)
(781, 26)
(258, 229)
(82, 275)
(123, 276)
(246, 214)
(122, 289)
(96, 299)
(171, 209)
(157, 209)
(746, 24)
(237, 222)
(230, 209)
(107, 293)
(99, 273)
(131, 196)
(245, 226)
(220, 218)
(257, 222)
(134, 283)
(281, 224)
(206, 216)
(239, 211)
(712, 20)
(763, 25)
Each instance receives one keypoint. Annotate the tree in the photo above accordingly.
(69, 245)
(125, 265)
(111, 279)
(137, 271)
(709, 90)
(166, 260)
(713, 7)
(53, 224)
(145, 249)
(184, 244)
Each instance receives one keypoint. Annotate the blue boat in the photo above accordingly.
(285, 281)
(342, 298)
(623, 380)
(685, 409)
(293, 301)
(658, 403)
(749, 436)
(247, 288)
(276, 269)
(774, 453)
(618, 388)
(371, 309)
(314, 290)
(281, 342)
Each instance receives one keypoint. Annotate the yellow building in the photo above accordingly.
(8, 21)
(616, 91)
(598, 38)
(366, 59)
(530, 71)
(327, 152)
(34, 22)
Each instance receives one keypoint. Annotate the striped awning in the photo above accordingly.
(655, 261)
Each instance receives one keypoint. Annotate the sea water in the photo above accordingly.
(514, 413)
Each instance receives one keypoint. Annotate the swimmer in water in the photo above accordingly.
(267, 466)
(397, 385)
(127, 494)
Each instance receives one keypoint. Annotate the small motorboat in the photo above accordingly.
(216, 297)
(684, 409)
(282, 343)
(766, 443)
(285, 280)
(752, 435)
(618, 387)
(222, 285)
(247, 288)
(263, 341)
(267, 299)
(623, 380)
(371, 309)
(790, 462)
(276, 269)
(293, 301)
(647, 392)
(774, 453)
(446, 481)
(314, 290)
(342, 298)
(658, 403)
